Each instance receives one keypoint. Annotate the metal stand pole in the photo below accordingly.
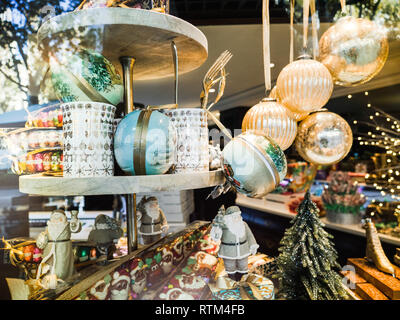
(127, 67)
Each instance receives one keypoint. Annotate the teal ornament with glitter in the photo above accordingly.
(254, 164)
(85, 75)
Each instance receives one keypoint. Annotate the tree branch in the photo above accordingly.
(23, 88)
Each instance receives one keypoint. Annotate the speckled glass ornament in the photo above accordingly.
(324, 138)
(305, 85)
(354, 50)
(273, 119)
(254, 164)
(298, 116)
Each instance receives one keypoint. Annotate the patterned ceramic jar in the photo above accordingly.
(88, 139)
(192, 139)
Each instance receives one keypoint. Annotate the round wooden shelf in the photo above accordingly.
(63, 186)
(142, 34)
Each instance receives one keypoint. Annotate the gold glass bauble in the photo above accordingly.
(274, 120)
(324, 138)
(354, 50)
(295, 115)
(305, 85)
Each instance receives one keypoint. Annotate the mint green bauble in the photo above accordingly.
(254, 164)
(85, 76)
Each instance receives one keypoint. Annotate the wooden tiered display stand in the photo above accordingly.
(141, 41)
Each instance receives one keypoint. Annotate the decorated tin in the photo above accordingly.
(145, 143)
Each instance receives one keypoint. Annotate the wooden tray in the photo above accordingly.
(63, 186)
(115, 32)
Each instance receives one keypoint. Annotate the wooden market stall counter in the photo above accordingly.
(277, 205)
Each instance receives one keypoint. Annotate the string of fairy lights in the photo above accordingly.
(384, 134)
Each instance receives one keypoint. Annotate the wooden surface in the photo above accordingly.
(63, 186)
(142, 34)
(352, 277)
(386, 283)
(280, 209)
(367, 291)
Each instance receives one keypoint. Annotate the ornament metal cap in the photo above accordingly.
(317, 111)
(269, 99)
(304, 57)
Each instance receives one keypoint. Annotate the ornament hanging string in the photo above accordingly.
(292, 3)
(314, 29)
(266, 45)
(306, 9)
(343, 5)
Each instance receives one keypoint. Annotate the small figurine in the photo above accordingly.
(106, 230)
(374, 252)
(58, 258)
(151, 220)
(120, 285)
(237, 241)
(100, 291)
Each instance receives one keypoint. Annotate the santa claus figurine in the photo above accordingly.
(151, 220)
(58, 257)
(237, 241)
(106, 230)
(120, 285)
(100, 291)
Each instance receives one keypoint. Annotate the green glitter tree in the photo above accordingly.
(307, 263)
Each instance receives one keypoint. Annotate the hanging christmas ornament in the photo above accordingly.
(254, 164)
(323, 138)
(269, 116)
(274, 120)
(304, 85)
(354, 50)
(295, 115)
(144, 143)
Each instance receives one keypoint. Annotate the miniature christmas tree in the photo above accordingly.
(307, 260)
